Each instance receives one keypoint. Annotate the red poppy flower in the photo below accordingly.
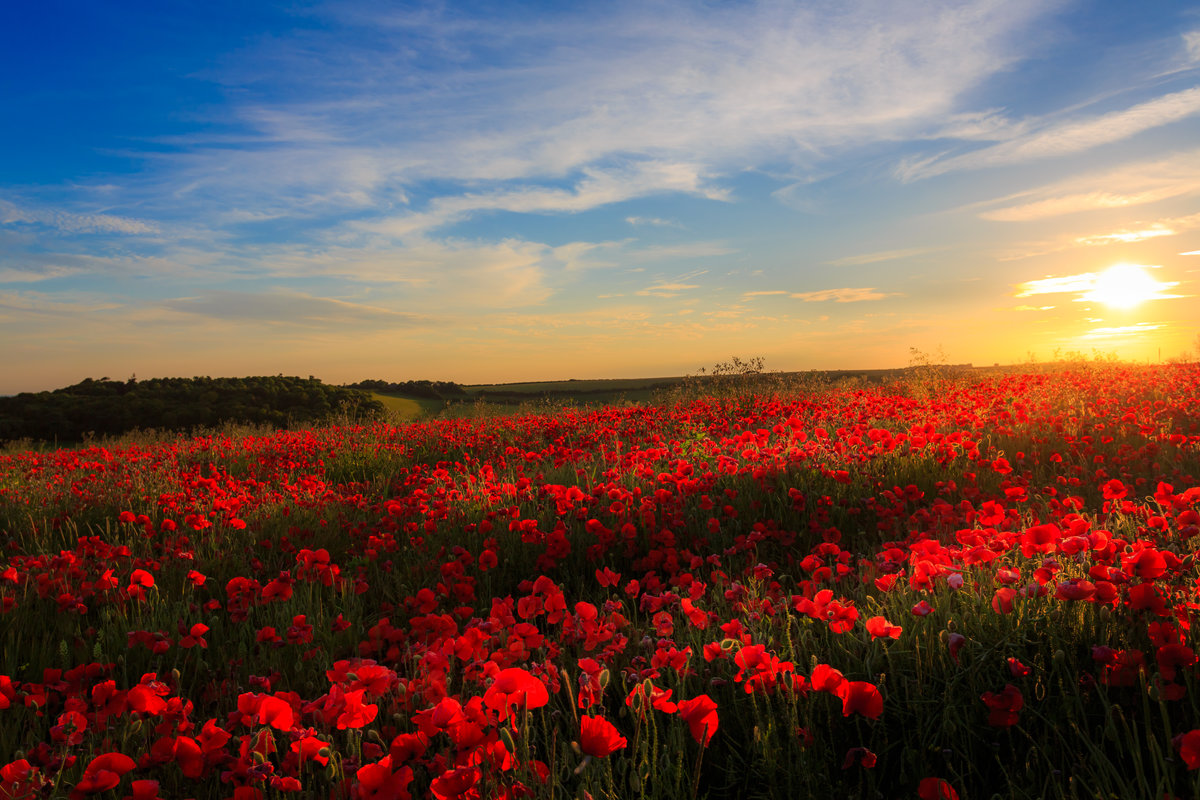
(936, 789)
(598, 737)
(277, 713)
(700, 714)
(1188, 745)
(103, 773)
(825, 678)
(378, 782)
(1004, 706)
(143, 790)
(515, 688)
(879, 627)
(1002, 600)
(861, 756)
(1114, 490)
(455, 783)
(861, 697)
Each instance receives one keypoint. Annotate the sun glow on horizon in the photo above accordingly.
(1121, 286)
(1125, 286)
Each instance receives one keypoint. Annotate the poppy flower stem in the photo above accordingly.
(699, 761)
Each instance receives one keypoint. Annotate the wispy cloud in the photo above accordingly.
(846, 295)
(1154, 231)
(11, 214)
(35, 275)
(654, 221)
(873, 258)
(1132, 184)
(291, 309)
(1191, 44)
(1064, 138)
(667, 289)
(1121, 331)
(666, 85)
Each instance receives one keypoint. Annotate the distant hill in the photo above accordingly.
(108, 408)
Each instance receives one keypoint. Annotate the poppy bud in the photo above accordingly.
(373, 735)
(507, 737)
(1060, 656)
(603, 678)
(324, 752)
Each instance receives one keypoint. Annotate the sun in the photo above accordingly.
(1124, 286)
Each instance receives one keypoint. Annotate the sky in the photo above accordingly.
(508, 191)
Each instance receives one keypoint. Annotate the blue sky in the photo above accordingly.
(510, 191)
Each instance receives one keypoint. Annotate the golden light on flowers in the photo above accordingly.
(1125, 286)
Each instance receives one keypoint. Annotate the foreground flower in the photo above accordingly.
(103, 773)
(1004, 706)
(515, 688)
(861, 756)
(598, 737)
(1188, 745)
(936, 789)
(861, 697)
(700, 714)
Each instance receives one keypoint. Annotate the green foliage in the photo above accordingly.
(103, 407)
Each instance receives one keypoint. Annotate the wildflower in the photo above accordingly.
(102, 773)
(861, 756)
(514, 687)
(598, 737)
(700, 714)
(860, 697)
(879, 627)
(935, 789)
(1004, 706)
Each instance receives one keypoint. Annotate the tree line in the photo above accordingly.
(108, 408)
(434, 390)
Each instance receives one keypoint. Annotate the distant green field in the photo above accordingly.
(572, 386)
(408, 408)
(542, 396)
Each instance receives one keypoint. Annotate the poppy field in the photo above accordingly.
(973, 589)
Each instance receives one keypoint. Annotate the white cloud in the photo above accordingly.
(598, 187)
(655, 221)
(291, 309)
(1121, 331)
(1131, 184)
(665, 289)
(1064, 138)
(1191, 44)
(845, 295)
(74, 223)
(873, 258)
(34, 275)
(442, 96)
